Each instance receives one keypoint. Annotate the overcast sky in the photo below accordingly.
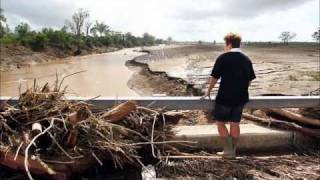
(187, 20)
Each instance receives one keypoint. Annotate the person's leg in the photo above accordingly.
(221, 114)
(222, 129)
(225, 139)
(234, 129)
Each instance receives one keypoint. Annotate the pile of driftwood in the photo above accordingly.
(45, 134)
(285, 119)
(304, 120)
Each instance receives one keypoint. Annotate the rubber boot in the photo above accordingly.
(234, 146)
(227, 148)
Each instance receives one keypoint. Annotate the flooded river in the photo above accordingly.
(105, 75)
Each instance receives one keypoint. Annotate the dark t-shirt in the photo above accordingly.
(236, 72)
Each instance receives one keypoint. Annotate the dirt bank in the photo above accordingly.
(17, 56)
(146, 81)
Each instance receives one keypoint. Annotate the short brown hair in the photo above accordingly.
(233, 39)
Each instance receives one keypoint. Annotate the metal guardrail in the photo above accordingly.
(194, 103)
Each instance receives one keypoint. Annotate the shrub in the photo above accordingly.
(38, 42)
(8, 39)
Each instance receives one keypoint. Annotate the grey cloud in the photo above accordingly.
(39, 12)
(238, 9)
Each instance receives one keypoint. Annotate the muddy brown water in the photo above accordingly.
(105, 75)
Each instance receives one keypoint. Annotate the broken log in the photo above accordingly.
(293, 116)
(72, 138)
(8, 159)
(119, 112)
(283, 125)
(172, 117)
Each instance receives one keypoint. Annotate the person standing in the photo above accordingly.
(236, 72)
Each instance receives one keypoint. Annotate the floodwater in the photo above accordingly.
(105, 75)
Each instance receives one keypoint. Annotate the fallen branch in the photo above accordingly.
(283, 124)
(293, 116)
(119, 112)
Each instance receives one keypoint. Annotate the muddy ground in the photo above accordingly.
(183, 71)
(290, 70)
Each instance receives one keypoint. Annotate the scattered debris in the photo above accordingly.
(291, 166)
(45, 134)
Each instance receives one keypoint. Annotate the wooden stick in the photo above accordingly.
(152, 133)
(294, 117)
(120, 111)
(283, 124)
(60, 147)
(17, 152)
(190, 157)
(45, 166)
(163, 142)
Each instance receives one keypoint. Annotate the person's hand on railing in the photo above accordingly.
(207, 94)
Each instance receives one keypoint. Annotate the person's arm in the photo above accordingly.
(252, 75)
(215, 75)
(212, 82)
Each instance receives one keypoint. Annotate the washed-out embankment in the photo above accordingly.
(147, 81)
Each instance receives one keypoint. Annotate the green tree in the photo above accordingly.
(77, 22)
(87, 27)
(22, 30)
(287, 36)
(2, 17)
(148, 39)
(4, 28)
(117, 38)
(316, 35)
(100, 29)
(76, 26)
(130, 40)
(38, 42)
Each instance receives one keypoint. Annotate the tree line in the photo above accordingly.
(287, 36)
(81, 33)
(78, 33)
